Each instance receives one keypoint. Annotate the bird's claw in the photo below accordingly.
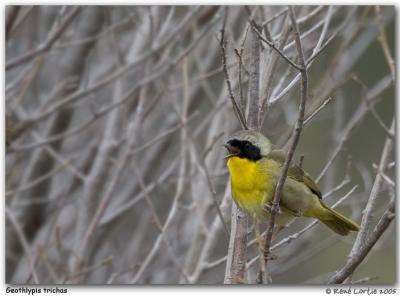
(270, 207)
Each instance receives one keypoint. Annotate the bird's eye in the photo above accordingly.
(247, 144)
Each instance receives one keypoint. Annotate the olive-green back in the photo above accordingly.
(295, 171)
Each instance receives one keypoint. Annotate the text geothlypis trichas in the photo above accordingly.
(255, 166)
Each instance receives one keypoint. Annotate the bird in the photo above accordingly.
(255, 165)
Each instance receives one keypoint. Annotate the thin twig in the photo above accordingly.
(204, 171)
(363, 280)
(174, 207)
(359, 114)
(384, 176)
(310, 60)
(273, 46)
(89, 269)
(383, 41)
(322, 106)
(39, 179)
(235, 106)
(159, 226)
(199, 160)
(306, 18)
(280, 13)
(239, 54)
(270, 72)
(370, 106)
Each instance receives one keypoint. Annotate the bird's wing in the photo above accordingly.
(295, 171)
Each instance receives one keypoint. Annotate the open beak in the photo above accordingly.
(232, 150)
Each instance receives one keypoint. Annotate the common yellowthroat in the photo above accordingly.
(255, 166)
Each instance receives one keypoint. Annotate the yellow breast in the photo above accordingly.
(252, 184)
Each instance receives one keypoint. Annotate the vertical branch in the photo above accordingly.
(295, 139)
(236, 258)
(254, 83)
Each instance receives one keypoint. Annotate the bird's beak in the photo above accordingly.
(232, 150)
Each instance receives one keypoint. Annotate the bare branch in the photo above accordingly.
(355, 261)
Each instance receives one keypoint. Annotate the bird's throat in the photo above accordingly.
(242, 171)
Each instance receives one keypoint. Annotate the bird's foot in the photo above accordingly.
(271, 207)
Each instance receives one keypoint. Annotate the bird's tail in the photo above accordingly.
(337, 222)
